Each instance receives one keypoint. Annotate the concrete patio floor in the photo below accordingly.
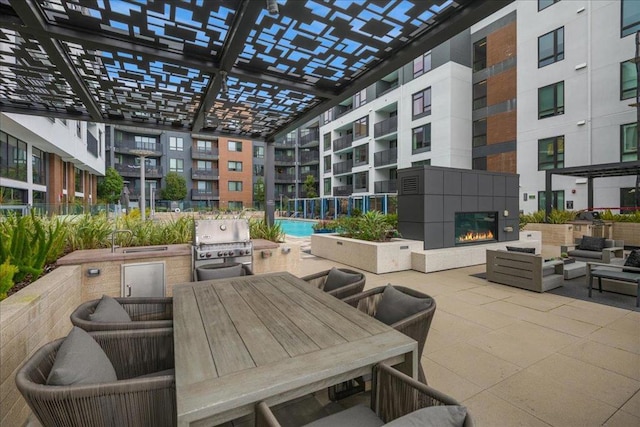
(518, 358)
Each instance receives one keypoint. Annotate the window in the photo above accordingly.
(551, 153)
(479, 164)
(327, 186)
(205, 186)
(234, 145)
(37, 161)
(629, 142)
(480, 55)
(327, 141)
(235, 206)
(421, 103)
(361, 155)
(361, 128)
(234, 166)
(13, 158)
(204, 145)
(145, 142)
(361, 181)
(426, 162)
(258, 152)
(327, 163)
(628, 80)
(480, 95)
(480, 133)
(630, 17)
(557, 201)
(176, 165)
(630, 199)
(327, 116)
(204, 165)
(551, 100)
(422, 64)
(176, 143)
(79, 129)
(235, 185)
(79, 176)
(360, 98)
(258, 170)
(421, 139)
(543, 4)
(551, 47)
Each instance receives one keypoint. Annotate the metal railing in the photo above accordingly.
(386, 157)
(385, 127)
(342, 142)
(389, 186)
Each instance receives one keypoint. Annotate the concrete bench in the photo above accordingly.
(613, 272)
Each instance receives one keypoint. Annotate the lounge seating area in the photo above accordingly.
(596, 249)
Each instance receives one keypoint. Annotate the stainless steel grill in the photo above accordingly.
(218, 241)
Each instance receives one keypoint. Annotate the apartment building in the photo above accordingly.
(50, 164)
(218, 171)
(538, 85)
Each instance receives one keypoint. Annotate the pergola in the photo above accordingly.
(248, 68)
(590, 172)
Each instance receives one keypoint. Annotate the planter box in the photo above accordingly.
(553, 234)
(375, 257)
(627, 231)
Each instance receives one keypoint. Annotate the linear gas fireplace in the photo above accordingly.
(476, 227)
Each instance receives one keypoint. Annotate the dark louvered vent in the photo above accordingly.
(409, 185)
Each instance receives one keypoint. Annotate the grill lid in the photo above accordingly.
(212, 231)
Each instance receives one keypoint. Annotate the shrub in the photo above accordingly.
(373, 226)
(260, 229)
(7, 271)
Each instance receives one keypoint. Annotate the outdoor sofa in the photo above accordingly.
(594, 249)
(524, 270)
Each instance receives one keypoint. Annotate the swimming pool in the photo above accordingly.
(296, 228)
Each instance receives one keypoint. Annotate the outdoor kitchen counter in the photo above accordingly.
(124, 254)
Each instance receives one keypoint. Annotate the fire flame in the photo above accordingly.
(472, 237)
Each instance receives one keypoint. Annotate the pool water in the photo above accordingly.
(296, 228)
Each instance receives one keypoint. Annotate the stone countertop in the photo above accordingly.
(105, 255)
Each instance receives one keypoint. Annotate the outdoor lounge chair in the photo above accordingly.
(142, 395)
(394, 395)
(145, 313)
(222, 271)
(340, 283)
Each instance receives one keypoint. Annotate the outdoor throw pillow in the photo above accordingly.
(81, 360)
(395, 305)
(524, 250)
(433, 416)
(633, 260)
(338, 278)
(109, 310)
(589, 243)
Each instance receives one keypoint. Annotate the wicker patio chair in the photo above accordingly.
(393, 395)
(145, 313)
(130, 401)
(222, 271)
(319, 280)
(415, 326)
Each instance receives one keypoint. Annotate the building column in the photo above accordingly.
(269, 182)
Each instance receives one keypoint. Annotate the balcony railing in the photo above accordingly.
(200, 174)
(285, 177)
(343, 190)
(284, 159)
(200, 154)
(389, 186)
(342, 167)
(385, 127)
(130, 170)
(342, 142)
(307, 157)
(303, 175)
(128, 146)
(204, 194)
(386, 157)
(311, 139)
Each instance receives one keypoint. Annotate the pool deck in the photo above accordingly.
(515, 357)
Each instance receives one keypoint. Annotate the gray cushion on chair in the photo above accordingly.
(395, 305)
(433, 416)
(356, 416)
(589, 243)
(337, 279)
(109, 310)
(81, 360)
(219, 271)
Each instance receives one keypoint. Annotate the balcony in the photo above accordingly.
(285, 178)
(127, 147)
(303, 175)
(386, 157)
(131, 170)
(342, 167)
(284, 159)
(342, 142)
(312, 139)
(343, 190)
(308, 157)
(198, 154)
(386, 127)
(204, 174)
(389, 186)
(205, 195)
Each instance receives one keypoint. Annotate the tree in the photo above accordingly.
(176, 188)
(309, 187)
(258, 192)
(110, 187)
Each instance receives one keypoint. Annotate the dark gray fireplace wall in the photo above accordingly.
(429, 196)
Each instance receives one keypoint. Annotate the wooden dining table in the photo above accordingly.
(270, 337)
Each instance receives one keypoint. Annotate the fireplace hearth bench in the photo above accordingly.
(525, 271)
